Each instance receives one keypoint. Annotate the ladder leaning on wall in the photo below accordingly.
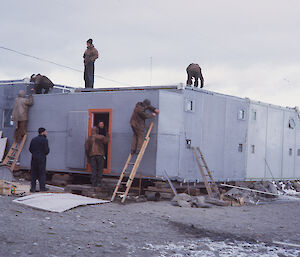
(211, 186)
(134, 165)
(14, 153)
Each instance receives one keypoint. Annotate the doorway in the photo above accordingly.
(104, 115)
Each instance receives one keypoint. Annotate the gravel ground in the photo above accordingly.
(150, 229)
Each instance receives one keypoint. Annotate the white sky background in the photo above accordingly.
(245, 48)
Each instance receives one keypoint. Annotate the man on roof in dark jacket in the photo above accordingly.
(137, 123)
(41, 82)
(95, 152)
(89, 57)
(194, 71)
(39, 149)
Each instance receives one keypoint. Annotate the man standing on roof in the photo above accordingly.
(194, 71)
(137, 123)
(90, 55)
(41, 82)
(20, 114)
(95, 152)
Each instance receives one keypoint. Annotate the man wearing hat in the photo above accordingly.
(89, 57)
(39, 149)
(142, 111)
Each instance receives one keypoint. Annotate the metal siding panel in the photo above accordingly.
(274, 143)
(169, 130)
(297, 157)
(235, 134)
(77, 131)
(289, 142)
(257, 137)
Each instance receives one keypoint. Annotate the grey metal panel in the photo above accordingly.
(170, 127)
(289, 135)
(235, 133)
(273, 155)
(297, 151)
(257, 136)
(77, 132)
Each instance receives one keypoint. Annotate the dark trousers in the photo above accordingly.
(97, 164)
(137, 139)
(194, 75)
(38, 171)
(89, 69)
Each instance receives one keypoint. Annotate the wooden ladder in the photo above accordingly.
(211, 186)
(133, 172)
(14, 153)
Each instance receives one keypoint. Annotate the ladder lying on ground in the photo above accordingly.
(211, 186)
(135, 166)
(14, 153)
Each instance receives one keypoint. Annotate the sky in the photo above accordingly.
(245, 48)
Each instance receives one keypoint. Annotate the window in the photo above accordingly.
(298, 152)
(292, 124)
(253, 115)
(252, 148)
(7, 118)
(241, 114)
(240, 148)
(189, 105)
(290, 151)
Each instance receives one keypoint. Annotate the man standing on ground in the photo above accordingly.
(194, 71)
(90, 55)
(39, 149)
(137, 123)
(95, 152)
(20, 114)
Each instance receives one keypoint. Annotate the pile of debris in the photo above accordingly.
(241, 193)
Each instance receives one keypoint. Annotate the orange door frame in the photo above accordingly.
(91, 123)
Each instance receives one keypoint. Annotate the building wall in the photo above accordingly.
(272, 144)
(59, 113)
(211, 122)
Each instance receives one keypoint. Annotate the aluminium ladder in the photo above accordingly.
(123, 194)
(14, 153)
(211, 186)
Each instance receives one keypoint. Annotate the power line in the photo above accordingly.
(60, 65)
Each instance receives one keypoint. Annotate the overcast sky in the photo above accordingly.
(245, 48)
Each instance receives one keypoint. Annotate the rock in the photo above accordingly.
(199, 202)
(296, 186)
(184, 204)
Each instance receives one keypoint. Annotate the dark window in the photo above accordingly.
(240, 148)
(298, 152)
(7, 118)
(290, 151)
(252, 148)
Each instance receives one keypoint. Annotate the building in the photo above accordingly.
(241, 139)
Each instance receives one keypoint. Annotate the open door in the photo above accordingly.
(104, 115)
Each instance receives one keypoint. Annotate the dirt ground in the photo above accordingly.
(150, 229)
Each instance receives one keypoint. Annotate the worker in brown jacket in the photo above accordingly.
(95, 152)
(89, 57)
(20, 114)
(41, 82)
(142, 111)
(194, 71)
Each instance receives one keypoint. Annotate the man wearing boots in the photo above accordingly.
(90, 55)
(142, 111)
(39, 149)
(95, 152)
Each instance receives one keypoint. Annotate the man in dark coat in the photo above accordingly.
(39, 149)
(137, 123)
(95, 152)
(89, 57)
(20, 114)
(194, 71)
(41, 82)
